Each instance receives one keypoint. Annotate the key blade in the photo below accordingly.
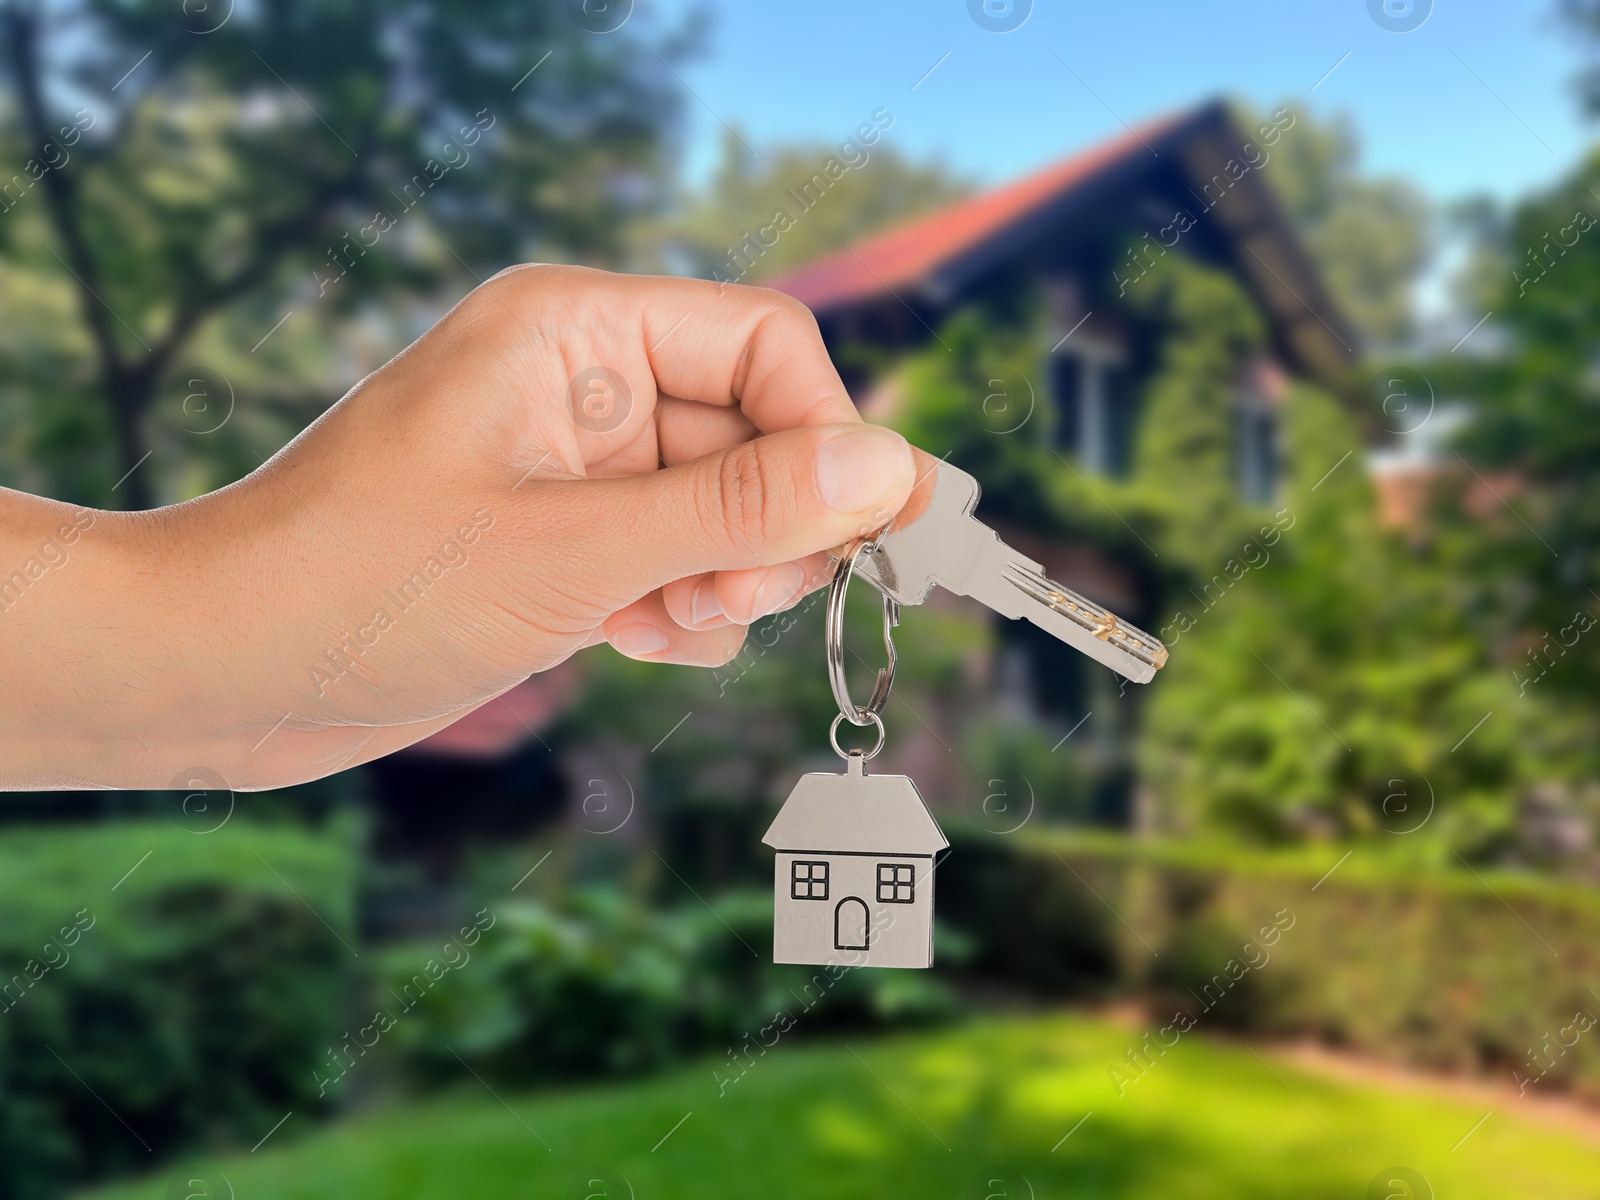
(1017, 587)
(936, 539)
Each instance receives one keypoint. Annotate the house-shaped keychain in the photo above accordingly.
(854, 872)
(853, 880)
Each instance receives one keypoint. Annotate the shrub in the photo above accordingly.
(605, 986)
(1437, 967)
(185, 1002)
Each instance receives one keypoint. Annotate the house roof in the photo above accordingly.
(855, 813)
(909, 254)
(925, 261)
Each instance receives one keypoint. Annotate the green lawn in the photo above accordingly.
(925, 1116)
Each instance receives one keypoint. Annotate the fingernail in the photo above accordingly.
(859, 469)
(782, 585)
(703, 605)
(638, 640)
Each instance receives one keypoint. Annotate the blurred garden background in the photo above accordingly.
(1315, 913)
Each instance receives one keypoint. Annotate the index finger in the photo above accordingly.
(725, 344)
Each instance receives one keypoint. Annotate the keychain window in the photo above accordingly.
(808, 880)
(894, 883)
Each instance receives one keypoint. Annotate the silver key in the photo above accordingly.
(936, 539)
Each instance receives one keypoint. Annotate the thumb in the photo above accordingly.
(774, 499)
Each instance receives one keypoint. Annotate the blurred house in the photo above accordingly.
(1191, 180)
(1406, 471)
(489, 778)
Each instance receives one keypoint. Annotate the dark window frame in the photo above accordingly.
(810, 881)
(899, 885)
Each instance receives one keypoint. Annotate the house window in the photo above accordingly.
(808, 880)
(1257, 454)
(894, 883)
(1094, 415)
(1120, 425)
(1066, 376)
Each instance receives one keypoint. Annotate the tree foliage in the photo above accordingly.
(719, 232)
(1368, 237)
(1520, 511)
(171, 165)
(1324, 672)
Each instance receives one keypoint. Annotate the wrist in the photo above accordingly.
(53, 567)
(112, 625)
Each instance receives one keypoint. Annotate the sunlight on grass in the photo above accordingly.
(937, 1115)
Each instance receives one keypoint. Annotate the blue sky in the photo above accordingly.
(1478, 99)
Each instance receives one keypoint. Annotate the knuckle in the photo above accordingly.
(523, 288)
(790, 314)
(520, 282)
(786, 327)
(742, 504)
(523, 272)
(782, 301)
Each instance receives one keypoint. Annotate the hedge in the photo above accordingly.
(1488, 972)
(160, 988)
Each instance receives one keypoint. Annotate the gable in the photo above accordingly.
(909, 277)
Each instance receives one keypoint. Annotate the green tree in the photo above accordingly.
(1184, 460)
(869, 187)
(1584, 17)
(1324, 692)
(1323, 671)
(1524, 521)
(180, 168)
(1368, 237)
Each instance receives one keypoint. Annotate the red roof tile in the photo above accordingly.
(909, 253)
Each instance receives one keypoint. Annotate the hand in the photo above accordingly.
(467, 515)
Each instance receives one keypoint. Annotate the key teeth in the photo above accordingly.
(1095, 620)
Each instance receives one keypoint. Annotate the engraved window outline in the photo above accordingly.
(896, 883)
(810, 884)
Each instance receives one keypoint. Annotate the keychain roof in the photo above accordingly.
(878, 814)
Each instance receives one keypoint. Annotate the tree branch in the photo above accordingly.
(61, 193)
(272, 240)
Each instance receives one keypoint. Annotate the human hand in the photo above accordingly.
(458, 521)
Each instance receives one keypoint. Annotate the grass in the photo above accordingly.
(971, 1112)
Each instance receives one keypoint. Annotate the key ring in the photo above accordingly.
(847, 755)
(857, 714)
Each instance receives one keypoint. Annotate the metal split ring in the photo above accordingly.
(857, 714)
(833, 736)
